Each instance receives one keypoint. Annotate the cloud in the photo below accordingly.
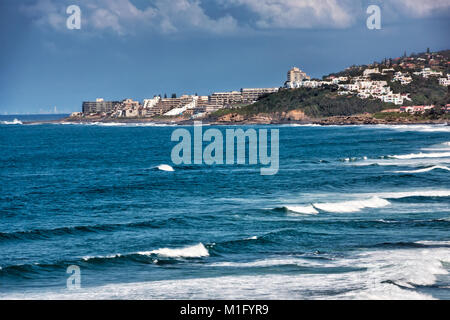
(297, 14)
(45, 12)
(420, 8)
(123, 17)
(231, 16)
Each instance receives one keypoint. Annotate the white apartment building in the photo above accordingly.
(150, 103)
(395, 98)
(427, 72)
(445, 81)
(384, 71)
(252, 94)
(403, 78)
(368, 72)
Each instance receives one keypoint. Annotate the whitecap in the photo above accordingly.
(196, 251)
(352, 206)
(433, 243)
(381, 274)
(425, 169)
(302, 209)
(15, 121)
(165, 167)
(403, 162)
(268, 263)
(111, 256)
(422, 155)
(420, 193)
(418, 128)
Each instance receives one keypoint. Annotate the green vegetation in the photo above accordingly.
(316, 103)
(423, 91)
(326, 102)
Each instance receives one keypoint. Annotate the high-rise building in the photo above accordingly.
(99, 106)
(250, 95)
(226, 98)
(296, 75)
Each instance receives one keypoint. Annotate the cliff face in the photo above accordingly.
(263, 118)
(294, 115)
(299, 116)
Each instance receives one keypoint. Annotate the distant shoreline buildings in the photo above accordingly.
(192, 105)
(368, 82)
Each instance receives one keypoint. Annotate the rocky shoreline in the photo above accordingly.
(262, 119)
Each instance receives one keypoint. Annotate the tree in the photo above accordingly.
(165, 95)
(174, 95)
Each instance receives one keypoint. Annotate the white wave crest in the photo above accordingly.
(269, 263)
(424, 193)
(111, 256)
(425, 169)
(382, 274)
(302, 209)
(196, 251)
(165, 167)
(419, 128)
(15, 121)
(434, 243)
(353, 205)
(301, 125)
(422, 155)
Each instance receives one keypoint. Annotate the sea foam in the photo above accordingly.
(417, 128)
(380, 274)
(15, 121)
(302, 209)
(422, 155)
(353, 205)
(425, 169)
(165, 167)
(196, 251)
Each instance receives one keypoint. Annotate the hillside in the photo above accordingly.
(315, 103)
(333, 99)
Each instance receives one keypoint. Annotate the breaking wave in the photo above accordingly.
(165, 167)
(409, 194)
(376, 200)
(422, 155)
(301, 209)
(196, 251)
(373, 274)
(15, 121)
(353, 205)
(418, 128)
(425, 169)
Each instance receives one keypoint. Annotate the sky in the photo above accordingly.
(140, 48)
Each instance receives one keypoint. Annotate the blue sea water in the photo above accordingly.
(21, 118)
(355, 212)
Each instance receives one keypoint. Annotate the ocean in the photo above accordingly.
(354, 212)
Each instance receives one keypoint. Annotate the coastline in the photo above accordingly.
(334, 120)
